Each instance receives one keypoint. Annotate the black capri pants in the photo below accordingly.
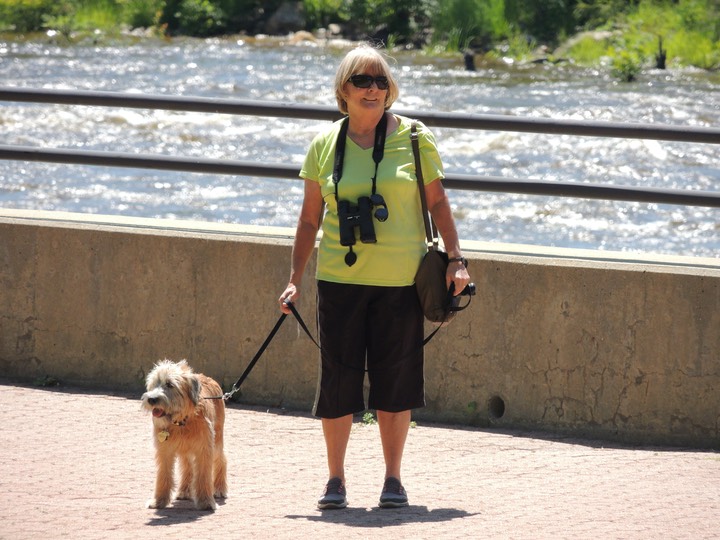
(378, 329)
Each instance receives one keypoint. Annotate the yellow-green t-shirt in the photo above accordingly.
(394, 259)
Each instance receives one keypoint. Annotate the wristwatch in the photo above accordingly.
(459, 259)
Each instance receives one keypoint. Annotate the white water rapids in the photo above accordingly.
(237, 69)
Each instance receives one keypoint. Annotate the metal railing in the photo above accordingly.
(293, 110)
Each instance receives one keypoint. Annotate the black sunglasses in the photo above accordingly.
(365, 81)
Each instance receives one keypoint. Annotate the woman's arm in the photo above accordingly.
(439, 207)
(305, 236)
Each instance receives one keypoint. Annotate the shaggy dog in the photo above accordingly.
(188, 427)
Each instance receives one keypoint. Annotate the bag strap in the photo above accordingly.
(431, 232)
(430, 228)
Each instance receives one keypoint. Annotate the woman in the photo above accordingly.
(360, 184)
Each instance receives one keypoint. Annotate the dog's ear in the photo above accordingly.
(184, 366)
(195, 388)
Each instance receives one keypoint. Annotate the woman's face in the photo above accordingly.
(369, 100)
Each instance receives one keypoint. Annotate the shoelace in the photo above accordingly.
(393, 485)
(334, 485)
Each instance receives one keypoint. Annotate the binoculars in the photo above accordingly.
(360, 216)
(469, 290)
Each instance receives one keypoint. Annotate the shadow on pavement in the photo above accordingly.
(384, 517)
(178, 512)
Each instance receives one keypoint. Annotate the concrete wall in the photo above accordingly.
(583, 342)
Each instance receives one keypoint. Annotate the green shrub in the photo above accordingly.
(592, 14)
(363, 15)
(465, 23)
(686, 30)
(701, 16)
(96, 14)
(200, 18)
(320, 13)
(244, 15)
(142, 13)
(400, 18)
(687, 48)
(545, 21)
(193, 17)
(521, 46)
(626, 66)
(28, 15)
(688, 36)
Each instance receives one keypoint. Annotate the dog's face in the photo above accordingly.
(173, 391)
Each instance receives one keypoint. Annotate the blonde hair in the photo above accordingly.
(363, 59)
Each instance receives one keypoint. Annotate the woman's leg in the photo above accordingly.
(393, 434)
(337, 434)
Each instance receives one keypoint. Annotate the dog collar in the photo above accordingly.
(164, 435)
(179, 423)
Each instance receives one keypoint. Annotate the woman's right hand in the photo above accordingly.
(290, 294)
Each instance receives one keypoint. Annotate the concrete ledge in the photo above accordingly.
(600, 344)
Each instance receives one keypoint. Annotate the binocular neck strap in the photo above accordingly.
(378, 151)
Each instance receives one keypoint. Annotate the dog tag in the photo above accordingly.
(163, 435)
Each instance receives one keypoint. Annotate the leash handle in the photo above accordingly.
(301, 322)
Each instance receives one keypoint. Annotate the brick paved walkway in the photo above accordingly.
(78, 465)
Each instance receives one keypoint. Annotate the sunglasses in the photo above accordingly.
(365, 81)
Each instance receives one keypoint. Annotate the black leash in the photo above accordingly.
(271, 335)
(251, 365)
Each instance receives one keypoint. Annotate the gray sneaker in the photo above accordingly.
(393, 494)
(334, 497)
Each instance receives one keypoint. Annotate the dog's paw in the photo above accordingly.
(183, 495)
(221, 494)
(157, 503)
(206, 504)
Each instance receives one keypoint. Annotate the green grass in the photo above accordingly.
(589, 50)
(634, 41)
(369, 419)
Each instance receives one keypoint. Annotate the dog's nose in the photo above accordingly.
(152, 401)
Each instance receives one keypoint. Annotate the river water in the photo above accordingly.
(237, 68)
